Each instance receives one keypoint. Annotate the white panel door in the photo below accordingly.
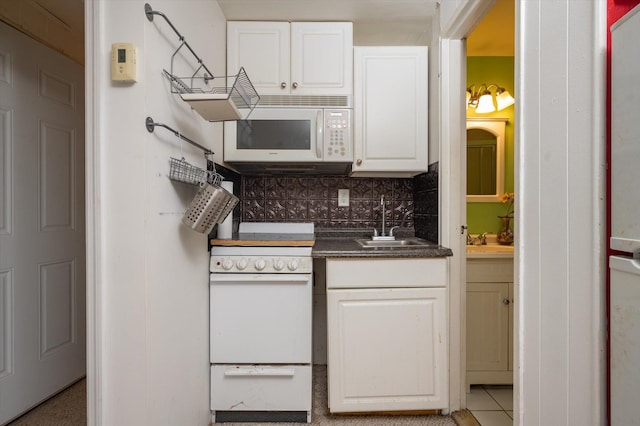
(387, 349)
(42, 263)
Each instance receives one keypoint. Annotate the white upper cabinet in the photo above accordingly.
(299, 58)
(262, 48)
(390, 111)
(322, 58)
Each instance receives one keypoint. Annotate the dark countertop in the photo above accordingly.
(343, 244)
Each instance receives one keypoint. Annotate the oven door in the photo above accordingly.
(275, 135)
(261, 318)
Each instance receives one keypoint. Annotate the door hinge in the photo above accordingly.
(463, 229)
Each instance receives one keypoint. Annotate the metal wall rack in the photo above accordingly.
(233, 101)
(150, 125)
(182, 171)
(212, 203)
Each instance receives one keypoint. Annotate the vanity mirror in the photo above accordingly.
(485, 159)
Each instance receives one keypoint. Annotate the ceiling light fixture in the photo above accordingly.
(481, 99)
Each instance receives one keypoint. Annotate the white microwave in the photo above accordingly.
(291, 140)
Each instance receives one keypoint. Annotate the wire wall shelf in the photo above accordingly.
(215, 98)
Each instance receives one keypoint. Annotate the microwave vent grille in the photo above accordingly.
(326, 168)
(343, 101)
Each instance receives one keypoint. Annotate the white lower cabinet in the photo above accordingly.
(489, 321)
(387, 347)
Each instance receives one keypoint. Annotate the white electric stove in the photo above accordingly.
(261, 331)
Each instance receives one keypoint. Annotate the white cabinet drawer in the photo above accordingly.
(386, 273)
(260, 387)
(490, 270)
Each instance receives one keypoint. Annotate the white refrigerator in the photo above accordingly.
(624, 269)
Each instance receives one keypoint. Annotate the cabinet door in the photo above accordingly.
(262, 48)
(488, 307)
(321, 58)
(390, 111)
(511, 330)
(387, 349)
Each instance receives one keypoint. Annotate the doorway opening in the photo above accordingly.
(490, 188)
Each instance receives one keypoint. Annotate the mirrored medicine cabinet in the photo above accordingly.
(485, 159)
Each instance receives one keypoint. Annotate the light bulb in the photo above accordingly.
(485, 103)
(504, 99)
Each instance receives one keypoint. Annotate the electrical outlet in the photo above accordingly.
(343, 198)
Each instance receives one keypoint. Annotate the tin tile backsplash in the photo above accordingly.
(410, 203)
(425, 195)
(303, 198)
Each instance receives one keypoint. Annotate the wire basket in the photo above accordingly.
(234, 100)
(211, 205)
(182, 171)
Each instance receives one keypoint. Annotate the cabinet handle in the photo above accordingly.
(266, 372)
(358, 162)
(295, 85)
(505, 301)
(283, 85)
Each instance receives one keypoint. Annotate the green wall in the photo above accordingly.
(483, 217)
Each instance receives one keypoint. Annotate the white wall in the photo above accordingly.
(559, 214)
(449, 9)
(455, 25)
(151, 296)
(560, 345)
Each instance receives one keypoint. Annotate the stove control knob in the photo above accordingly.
(242, 264)
(227, 264)
(278, 265)
(293, 265)
(260, 264)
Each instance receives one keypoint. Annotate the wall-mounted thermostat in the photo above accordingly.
(123, 62)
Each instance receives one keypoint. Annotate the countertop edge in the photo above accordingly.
(472, 256)
(347, 247)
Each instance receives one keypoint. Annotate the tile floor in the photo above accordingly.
(491, 405)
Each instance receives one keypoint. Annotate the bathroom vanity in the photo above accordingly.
(490, 299)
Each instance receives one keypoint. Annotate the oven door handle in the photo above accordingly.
(260, 278)
(263, 372)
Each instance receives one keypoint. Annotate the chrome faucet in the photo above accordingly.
(481, 239)
(383, 214)
(382, 235)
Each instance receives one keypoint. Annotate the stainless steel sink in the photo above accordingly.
(399, 243)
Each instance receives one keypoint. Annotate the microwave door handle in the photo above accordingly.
(319, 136)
